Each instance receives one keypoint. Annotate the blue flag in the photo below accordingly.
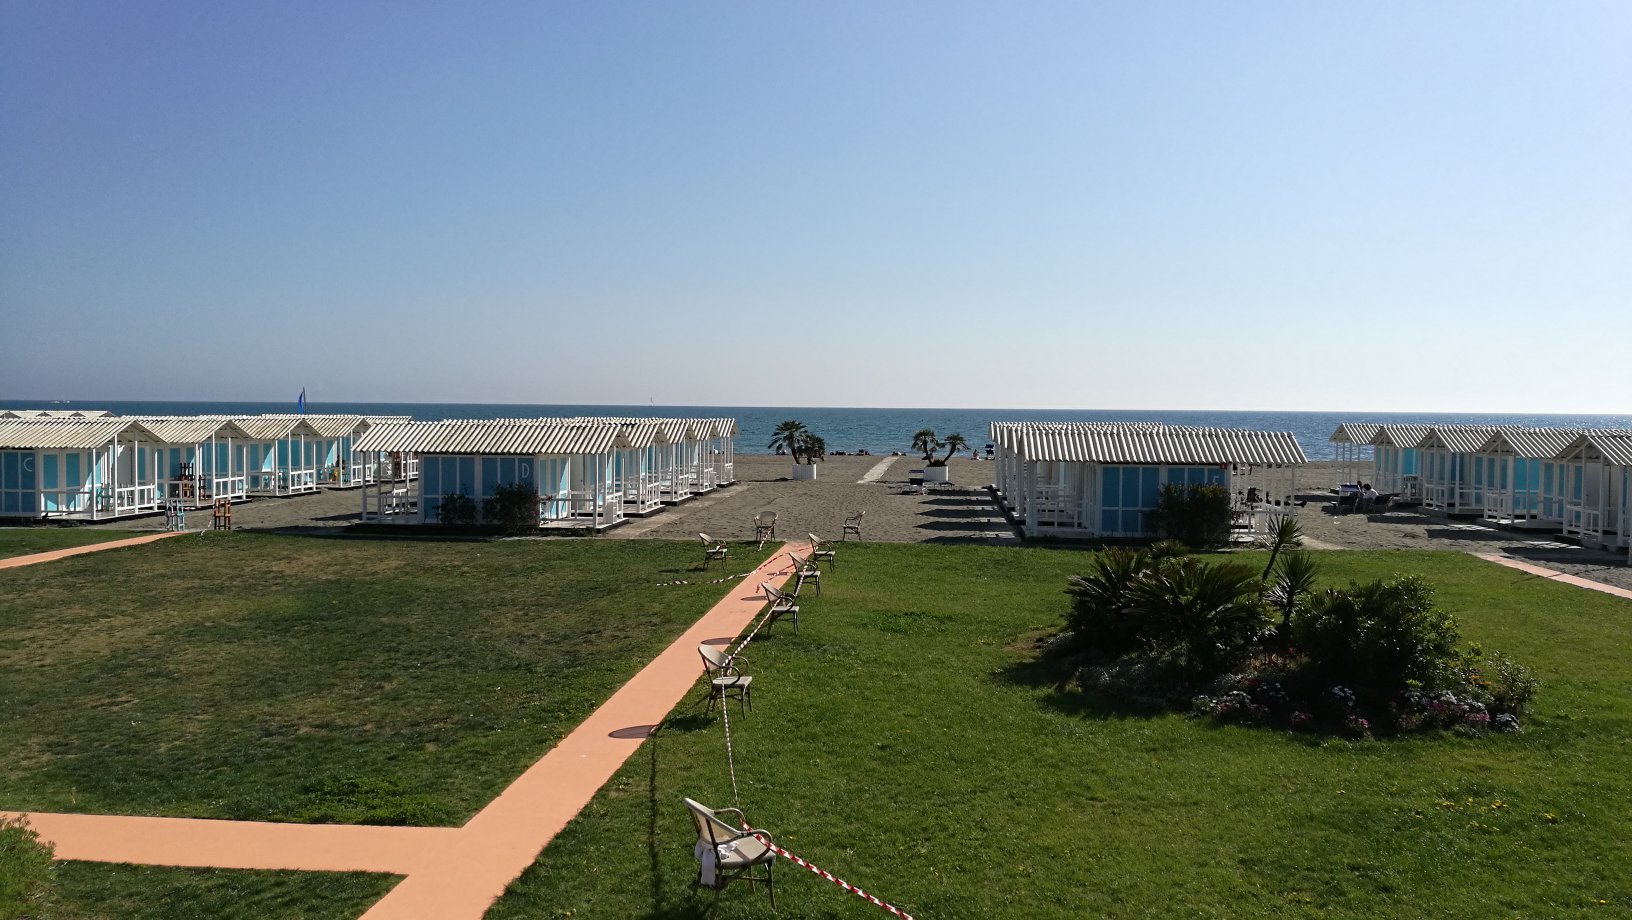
(300, 404)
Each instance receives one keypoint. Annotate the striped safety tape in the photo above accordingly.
(871, 899)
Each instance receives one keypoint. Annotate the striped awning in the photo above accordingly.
(70, 433)
(1154, 444)
(1529, 443)
(1399, 435)
(1354, 433)
(1461, 439)
(1614, 446)
(489, 436)
(193, 429)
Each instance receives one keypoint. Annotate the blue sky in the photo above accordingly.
(1133, 205)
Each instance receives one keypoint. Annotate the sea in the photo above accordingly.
(879, 431)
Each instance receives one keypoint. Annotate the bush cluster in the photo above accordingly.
(1155, 627)
(1195, 515)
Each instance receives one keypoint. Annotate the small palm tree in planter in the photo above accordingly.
(794, 438)
(926, 442)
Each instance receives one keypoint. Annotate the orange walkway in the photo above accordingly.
(1554, 575)
(451, 873)
(35, 558)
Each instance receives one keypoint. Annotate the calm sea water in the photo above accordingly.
(877, 430)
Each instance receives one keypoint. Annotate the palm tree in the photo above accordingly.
(786, 438)
(811, 448)
(1294, 584)
(954, 442)
(925, 442)
(1212, 615)
(1285, 534)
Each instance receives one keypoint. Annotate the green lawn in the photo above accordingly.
(101, 891)
(21, 541)
(252, 676)
(900, 742)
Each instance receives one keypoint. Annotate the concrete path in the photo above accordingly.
(451, 873)
(35, 558)
(1555, 575)
(878, 471)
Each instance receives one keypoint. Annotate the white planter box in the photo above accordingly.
(804, 471)
(936, 474)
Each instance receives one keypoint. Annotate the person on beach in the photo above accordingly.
(1368, 496)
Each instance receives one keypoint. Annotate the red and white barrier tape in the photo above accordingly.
(872, 899)
(720, 581)
(730, 759)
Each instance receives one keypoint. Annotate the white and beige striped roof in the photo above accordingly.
(503, 436)
(1147, 443)
(71, 433)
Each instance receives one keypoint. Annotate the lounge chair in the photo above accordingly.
(805, 570)
(725, 681)
(817, 554)
(764, 527)
(726, 853)
(852, 525)
(712, 549)
(782, 605)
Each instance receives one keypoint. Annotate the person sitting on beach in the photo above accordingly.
(1368, 496)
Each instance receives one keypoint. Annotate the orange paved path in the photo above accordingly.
(451, 873)
(35, 558)
(1554, 575)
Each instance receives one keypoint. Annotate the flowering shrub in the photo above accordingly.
(1371, 659)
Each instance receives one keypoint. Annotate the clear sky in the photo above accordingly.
(1199, 205)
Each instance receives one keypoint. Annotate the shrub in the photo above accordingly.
(1197, 515)
(456, 508)
(25, 868)
(1167, 549)
(1509, 685)
(1381, 638)
(1101, 619)
(1210, 616)
(514, 507)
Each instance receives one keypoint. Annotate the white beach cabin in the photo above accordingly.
(86, 469)
(1396, 464)
(1352, 449)
(1101, 480)
(571, 465)
(1525, 489)
(1452, 469)
(279, 454)
(199, 459)
(1598, 489)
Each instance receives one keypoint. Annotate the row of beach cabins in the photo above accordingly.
(588, 471)
(597, 472)
(1098, 480)
(94, 466)
(1572, 481)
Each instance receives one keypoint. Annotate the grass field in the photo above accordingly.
(294, 679)
(901, 741)
(100, 891)
(21, 541)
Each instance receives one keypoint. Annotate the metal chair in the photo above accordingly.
(805, 570)
(712, 549)
(817, 554)
(725, 681)
(726, 853)
(852, 525)
(782, 605)
(764, 527)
